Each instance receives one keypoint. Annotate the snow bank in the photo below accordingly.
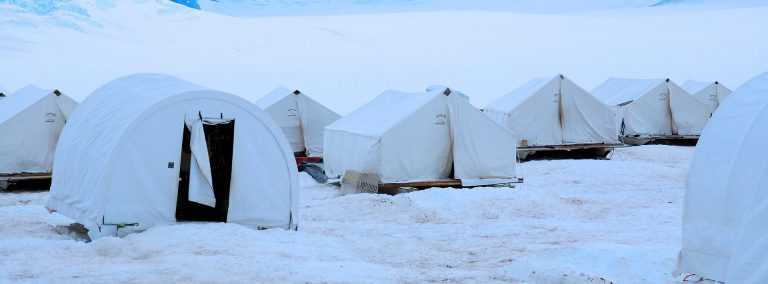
(573, 221)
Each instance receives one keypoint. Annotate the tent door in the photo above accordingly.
(219, 137)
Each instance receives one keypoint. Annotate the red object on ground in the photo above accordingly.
(301, 160)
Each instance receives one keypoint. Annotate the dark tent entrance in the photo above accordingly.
(219, 139)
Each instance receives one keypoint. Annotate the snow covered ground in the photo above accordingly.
(573, 221)
(344, 61)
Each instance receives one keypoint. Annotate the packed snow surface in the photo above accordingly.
(343, 61)
(573, 221)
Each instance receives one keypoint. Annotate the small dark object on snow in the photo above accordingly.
(315, 171)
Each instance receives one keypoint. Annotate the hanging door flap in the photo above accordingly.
(200, 178)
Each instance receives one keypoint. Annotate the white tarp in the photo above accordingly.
(653, 107)
(302, 119)
(119, 157)
(554, 111)
(30, 123)
(711, 94)
(419, 136)
(724, 218)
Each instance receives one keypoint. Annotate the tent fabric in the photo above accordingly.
(30, 124)
(555, 111)
(119, 157)
(711, 94)
(201, 179)
(302, 119)
(419, 136)
(724, 225)
(653, 107)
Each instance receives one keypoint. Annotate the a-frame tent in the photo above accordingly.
(555, 111)
(301, 118)
(31, 121)
(650, 107)
(710, 93)
(427, 136)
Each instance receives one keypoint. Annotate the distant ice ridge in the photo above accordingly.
(189, 3)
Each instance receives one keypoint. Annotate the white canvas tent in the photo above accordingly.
(725, 216)
(301, 118)
(30, 123)
(555, 111)
(653, 107)
(711, 94)
(153, 149)
(420, 137)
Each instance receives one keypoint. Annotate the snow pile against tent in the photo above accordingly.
(708, 93)
(653, 107)
(554, 111)
(301, 118)
(726, 201)
(420, 136)
(30, 123)
(152, 149)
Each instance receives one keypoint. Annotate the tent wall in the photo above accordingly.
(649, 113)
(482, 148)
(584, 118)
(286, 113)
(419, 146)
(532, 112)
(723, 230)
(688, 113)
(314, 118)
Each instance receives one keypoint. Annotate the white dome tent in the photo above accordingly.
(554, 111)
(30, 123)
(402, 137)
(711, 94)
(151, 149)
(301, 118)
(725, 216)
(653, 107)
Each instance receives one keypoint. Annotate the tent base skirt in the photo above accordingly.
(25, 182)
(567, 151)
(675, 140)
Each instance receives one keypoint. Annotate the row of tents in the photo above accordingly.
(149, 148)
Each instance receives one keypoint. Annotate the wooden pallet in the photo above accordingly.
(566, 151)
(405, 187)
(25, 181)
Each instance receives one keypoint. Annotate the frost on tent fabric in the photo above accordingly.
(129, 160)
(301, 118)
(726, 202)
(31, 120)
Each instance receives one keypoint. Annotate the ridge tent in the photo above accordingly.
(301, 118)
(708, 93)
(725, 214)
(554, 111)
(150, 149)
(427, 136)
(30, 123)
(653, 107)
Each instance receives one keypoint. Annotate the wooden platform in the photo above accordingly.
(566, 151)
(677, 140)
(25, 181)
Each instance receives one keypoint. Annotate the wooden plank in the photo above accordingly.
(422, 184)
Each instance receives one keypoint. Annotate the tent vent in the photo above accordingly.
(667, 80)
(716, 83)
(56, 92)
(447, 91)
(561, 76)
(2, 95)
(296, 92)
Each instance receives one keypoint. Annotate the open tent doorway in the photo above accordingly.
(219, 141)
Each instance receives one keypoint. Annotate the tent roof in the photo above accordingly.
(382, 113)
(273, 97)
(693, 86)
(513, 99)
(21, 100)
(615, 91)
